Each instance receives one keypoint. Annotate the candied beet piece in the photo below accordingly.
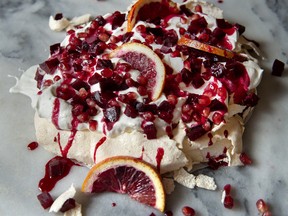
(277, 68)
(170, 38)
(101, 21)
(50, 65)
(141, 107)
(241, 28)
(186, 75)
(158, 32)
(165, 111)
(197, 80)
(45, 199)
(58, 166)
(130, 111)
(150, 130)
(102, 98)
(78, 84)
(55, 49)
(218, 33)
(58, 16)
(39, 77)
(126, 37)
(103, 63)
(95, 78)
(117, 19)
(251, 100)
(112, 113)
(216, 105)
(67, 205)
(197, 25)
(235, 70)
(221, 23)
(185, 10)
(195, 132)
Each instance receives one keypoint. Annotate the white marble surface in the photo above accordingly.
(24, 41)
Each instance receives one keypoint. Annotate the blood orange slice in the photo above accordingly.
(207, 48)
(127, 175)
(150, 10)
(144, 59)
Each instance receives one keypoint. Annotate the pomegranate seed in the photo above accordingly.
(130, 82)
(112, 46)
(90, 102)
(228, 202)
(245, 159)
(188, 211)
(148, 116)
(132, 95)
(172, 99)
(186, 118)
(48, 83)
(175, 54)
(267, 213)
(222, 92)
(107, 72)
(206, 112)
(82, 35)
(149, 39)
(141, 29)
(83, 93)
(83, 117)
(56, 78)
(204, 100)
(217, 118)
(187, 108)
(196, 116)
(227, 189)
(142, 80)
(206, 126)
(93, 125)
(114, 39)
(183, 20)
(182, 31)
(103, 37)
(198, 8)
(261, 206)
(142, 90)
(124, 67)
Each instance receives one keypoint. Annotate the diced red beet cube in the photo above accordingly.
(45, 200)
(195, 132)
(277, 68)
(50, 65)
(150, 130)
(68, 204)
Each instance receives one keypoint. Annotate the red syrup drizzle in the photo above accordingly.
(55, 112)
(159, 157)
(99, 143)
(210, 141)
(142, 152)
(32, 146)
(226, 133)
(56, 169)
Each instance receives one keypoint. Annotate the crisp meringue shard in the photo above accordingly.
(85, 105)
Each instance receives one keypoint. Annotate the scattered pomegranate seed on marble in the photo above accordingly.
(245, 159)
(228, 202)
(261, 206)
(188, 211)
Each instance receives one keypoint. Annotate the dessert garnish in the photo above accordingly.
(278, 68)
(127, 175)
(152, 92)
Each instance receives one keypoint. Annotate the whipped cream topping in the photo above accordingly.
(199, 115)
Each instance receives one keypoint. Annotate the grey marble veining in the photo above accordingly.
(24, 41)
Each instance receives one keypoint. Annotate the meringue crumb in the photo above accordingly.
(184, 178)
(58, 203)
(169, 185)
(206, 182)
(75, 211)
(66, 24)
(223, 196)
